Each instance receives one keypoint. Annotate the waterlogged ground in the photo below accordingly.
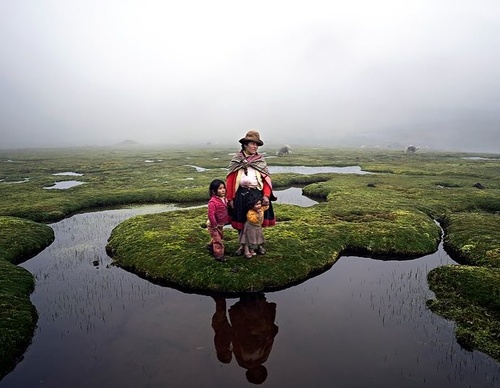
(362, 323)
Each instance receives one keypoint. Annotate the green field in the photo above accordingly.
(389, 213)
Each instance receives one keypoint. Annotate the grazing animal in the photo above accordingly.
(478, 186)
(285, 150)
(411, 149)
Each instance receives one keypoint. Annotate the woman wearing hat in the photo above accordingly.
(248, 172)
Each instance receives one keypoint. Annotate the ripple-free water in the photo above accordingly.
(363, 323)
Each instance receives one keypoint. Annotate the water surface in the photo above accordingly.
(317, 170)
(63, 185)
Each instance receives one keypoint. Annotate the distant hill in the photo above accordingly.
(127, 143)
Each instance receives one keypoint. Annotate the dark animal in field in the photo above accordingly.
(285, 150)
(479, 186)
(411, 149)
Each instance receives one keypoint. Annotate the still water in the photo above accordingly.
(363, 323)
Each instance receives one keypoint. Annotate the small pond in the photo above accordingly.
(317, 170)
(478, 158)
(68, 173)
(362, 323)
(63, 185)
(304, 169)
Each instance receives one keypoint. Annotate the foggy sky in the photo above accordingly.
(93, 72)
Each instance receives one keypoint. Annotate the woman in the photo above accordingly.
(248, 172)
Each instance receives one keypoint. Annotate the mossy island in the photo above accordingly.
(168, 248)
(391, 212)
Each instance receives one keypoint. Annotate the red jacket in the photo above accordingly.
(217, 211)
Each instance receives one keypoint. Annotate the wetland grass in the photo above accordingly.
(469, 294)
(19, 240)
(18, 316)
(389, 213)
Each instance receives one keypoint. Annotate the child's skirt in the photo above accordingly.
(252, 235)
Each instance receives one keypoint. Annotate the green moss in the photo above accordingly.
(470, 294)
(19, 239)
(169, 247)
(17, 315)
(473, 238)
(471, 297)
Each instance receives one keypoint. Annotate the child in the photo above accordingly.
(252, 236)
(217, 218)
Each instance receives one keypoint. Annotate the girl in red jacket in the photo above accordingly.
(217, 218)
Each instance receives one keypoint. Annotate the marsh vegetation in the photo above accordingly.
(388, 213)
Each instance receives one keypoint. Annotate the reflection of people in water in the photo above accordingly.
(222, 328)
(251, 333)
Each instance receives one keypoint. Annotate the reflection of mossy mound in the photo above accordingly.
(170, 247)
(18, 239)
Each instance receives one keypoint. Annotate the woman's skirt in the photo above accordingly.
(238, 213)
